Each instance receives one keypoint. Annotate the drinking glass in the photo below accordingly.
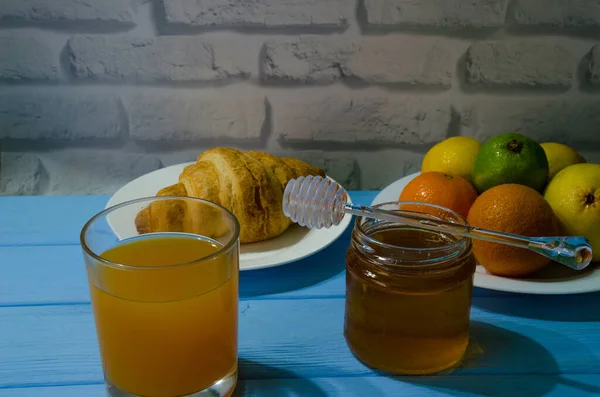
(163, 278)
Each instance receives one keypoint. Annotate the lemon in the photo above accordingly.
(454, 156)
(560, 156)
(574, 195)
(510, 158)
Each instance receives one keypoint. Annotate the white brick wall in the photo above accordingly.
(108, 12)
(594, 66)
(157, 59)
(326, 59)
(66, 116)
(361, 120)
(561, 14)
(260, 13)
(519, 62)
(449, 14)
(198, 118)
(27, 58)
(95, 93)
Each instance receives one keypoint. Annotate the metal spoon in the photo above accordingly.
(316, 202)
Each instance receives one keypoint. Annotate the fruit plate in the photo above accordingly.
(554, 279)
(294, 244)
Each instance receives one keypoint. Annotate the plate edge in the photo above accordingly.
(342, 228)
(475, 284)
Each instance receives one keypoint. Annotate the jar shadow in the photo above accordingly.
(499, 362)
(300, 274)
(563, 308)
(493, 349)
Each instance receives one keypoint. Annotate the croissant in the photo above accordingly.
(249, 184)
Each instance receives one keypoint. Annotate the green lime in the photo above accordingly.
(510, 158)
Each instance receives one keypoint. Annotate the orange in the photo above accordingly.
(516, 209)
(453, 192)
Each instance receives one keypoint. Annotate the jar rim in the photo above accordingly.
(365, 236)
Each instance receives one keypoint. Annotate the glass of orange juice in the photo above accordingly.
(163, 278)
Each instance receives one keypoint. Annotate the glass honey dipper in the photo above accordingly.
(317, 202)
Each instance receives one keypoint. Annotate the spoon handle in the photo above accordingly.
(574, 252)
(318, 202)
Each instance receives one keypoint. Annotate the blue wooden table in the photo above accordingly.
(291, 319)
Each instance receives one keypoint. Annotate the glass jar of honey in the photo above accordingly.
(408, 293)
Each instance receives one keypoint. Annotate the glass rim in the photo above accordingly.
(460, 239)
(225, 248)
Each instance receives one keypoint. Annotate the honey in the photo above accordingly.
(408, 295)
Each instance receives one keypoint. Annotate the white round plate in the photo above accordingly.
(295, 243)
(554, 279)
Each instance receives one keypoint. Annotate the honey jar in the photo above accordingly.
(408, 293)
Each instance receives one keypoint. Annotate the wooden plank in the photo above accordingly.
(96, 390)
(461, 386)
(51, 275)
(46, 220)
(57, 344)
(52, 220)
(37, 346)
(56, 275)
(42, 275)
(30, 276)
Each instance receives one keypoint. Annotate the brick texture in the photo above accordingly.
(96, 92)
(590, 155)
(452, 14)
(113, 11)
(261, 13)
(389, 165)
(545, 120)
(59, 116)
(341, 166)
(594, 66)
(568, 14)
(359, 118)
(519, 63)
(95, 172)
(179, 118)
(313, 59)
(20, 174)
(26, 57)
(159, 59)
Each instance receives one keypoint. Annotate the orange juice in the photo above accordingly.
(167, 321)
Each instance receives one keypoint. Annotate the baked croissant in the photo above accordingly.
(249, 184)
